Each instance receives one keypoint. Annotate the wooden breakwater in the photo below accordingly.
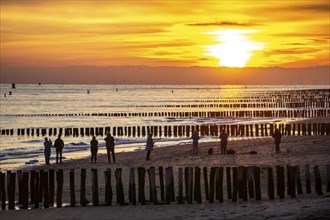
(39, 188)
(243, 130)
(234, 111)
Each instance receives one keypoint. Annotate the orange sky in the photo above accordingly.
(165, 33)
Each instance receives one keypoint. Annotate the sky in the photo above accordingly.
(57, 33)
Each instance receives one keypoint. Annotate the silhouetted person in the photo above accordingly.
(59, 145)
(110, 145)
(47, 149)
(195, 138)
(149, 146)
(277, 139)
(94, 149)
(224, 140)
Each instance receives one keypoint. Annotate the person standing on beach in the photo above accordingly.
(149, 146)
(110, 145)
(195, 138)
(59, 145)
(47, 149)
(277, 139)
(94, 148)
(224, 140)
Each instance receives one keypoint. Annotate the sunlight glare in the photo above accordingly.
(235, 48)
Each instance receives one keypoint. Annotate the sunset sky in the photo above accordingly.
(165, 33)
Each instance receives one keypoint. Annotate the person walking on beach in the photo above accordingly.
(195, 138)
(59, 145)
(110, 145)
(94, 148)
(277, 139)
(47, 149)
(224, 140)
(149, 146)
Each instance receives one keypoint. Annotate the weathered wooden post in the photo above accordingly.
(257, 182)
(41, 185)
(51, 186)
(161, 182)
(250, 175)
(235, 184)
(108, 188)
(131, 187)
(228, 177)
(292, 181)
(141, 177)
(3, 190)
(36, 190)
(297, 175)
(119, 187)
(270, 183)
(190, 185)
(46, 190)
(83, 200)
(308, 179)
(152, 181)
(180, 187)
(206, 184)
(59, 179)
(25, 188)
(169, 185)
(72, 189)
(212, 178)
(318, 182)
(220, 183)
(19, 182)
(328, 177)
(32, 185)
(197, 185)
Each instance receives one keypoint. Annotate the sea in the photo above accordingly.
(67, 106)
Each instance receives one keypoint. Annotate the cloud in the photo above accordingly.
(223, 23)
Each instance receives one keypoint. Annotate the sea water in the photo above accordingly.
(24, 107)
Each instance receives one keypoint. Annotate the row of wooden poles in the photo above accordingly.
(241, 182)
(275, 113)
(182, 130)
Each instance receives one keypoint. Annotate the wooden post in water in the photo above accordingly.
(119, 187)
(108, 188)
(72, 189)
(141, 177)
(51, 187)
(161, 182)
(206, 184)
(318, 182)
(59, 179)
(131, 187)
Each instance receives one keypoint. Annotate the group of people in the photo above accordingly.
(59, 145)
(224, 140)
(110, 146)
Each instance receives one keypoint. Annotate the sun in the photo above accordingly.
(235, 47)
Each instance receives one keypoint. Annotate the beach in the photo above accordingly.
(295, 150)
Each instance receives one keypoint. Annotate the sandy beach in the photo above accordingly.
(295, 150)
